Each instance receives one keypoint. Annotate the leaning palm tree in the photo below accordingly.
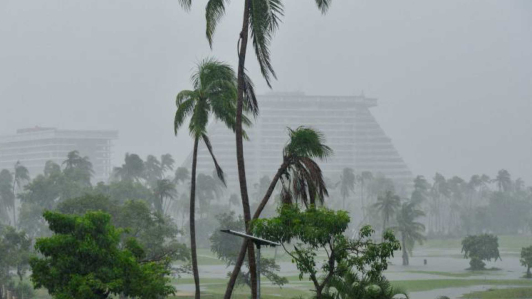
(387, 205)
(214, 93)
(167, 162)
(347, 184)
(260, 21)
(163, 189)
(131, 170)
(181, 175)
(21, 175)
(298, 170)
(411, 230)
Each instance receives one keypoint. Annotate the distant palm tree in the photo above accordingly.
(21, 175)
(167, 162)
(131, 170)
(347, 184)
(181, 175)
(503, 180)
(387, 205)
(153, 170)
(411, 231)
(214, 93)
(364, 178)
(163, 189)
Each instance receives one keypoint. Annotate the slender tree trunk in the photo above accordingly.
(528, 274)
(192, 220)
(260, 208)
(406, 262)
(14, 205)
(244, 34)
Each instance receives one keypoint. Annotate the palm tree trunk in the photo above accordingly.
(405, 253)
(14, 205)
(242, 253)
(193, 249)
(240, 149)
(528, 274)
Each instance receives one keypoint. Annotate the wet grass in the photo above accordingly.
(433, 284)
(512, 293)
(453, 274)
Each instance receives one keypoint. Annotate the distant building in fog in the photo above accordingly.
(349, 127)
(34, 146)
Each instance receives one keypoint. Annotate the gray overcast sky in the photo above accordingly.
(453, 78)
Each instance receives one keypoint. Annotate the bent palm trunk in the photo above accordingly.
(193, 249)
(242, 254)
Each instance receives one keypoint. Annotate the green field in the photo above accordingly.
(512, 293)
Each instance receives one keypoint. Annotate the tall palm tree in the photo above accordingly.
(21, 175)
(503, 180)
(363, 179)
(78, 168)
(347, 184)
(7, 197)
(163, 189)
(131, 170)
(305, 145)
(214, 93)
(387, 205)
(260, 20)
(51, 168)
(411, 230)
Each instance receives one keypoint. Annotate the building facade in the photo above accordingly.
(34, 146)
(350, 130)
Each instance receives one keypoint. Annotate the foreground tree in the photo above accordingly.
(321, 229)
(83, 260)
(214, 93)
(480, 248)
(411, 230)
(355, 285)
(526, 260)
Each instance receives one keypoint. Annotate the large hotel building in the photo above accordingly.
(34, 146)
(349, 127)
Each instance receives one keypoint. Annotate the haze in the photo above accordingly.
(453, 78)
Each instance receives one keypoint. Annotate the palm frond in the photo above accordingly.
(264, 18)
(250, 99)
(323, 5)
(214, 11)
(307, 142)
(185, 105)
(200, 118)
(219, 171)
(185, 4)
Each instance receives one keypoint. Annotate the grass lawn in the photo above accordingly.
(433, 284)
(451, 274)
(501, 293)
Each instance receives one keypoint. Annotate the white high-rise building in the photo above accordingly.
(34, 146)
(349, 127)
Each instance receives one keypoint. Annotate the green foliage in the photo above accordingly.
(352, 285)
(480, 248)
(226, 248)
(15, 253)
(322, 229)
(411, 230)
(83, 260)
(526, 259)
